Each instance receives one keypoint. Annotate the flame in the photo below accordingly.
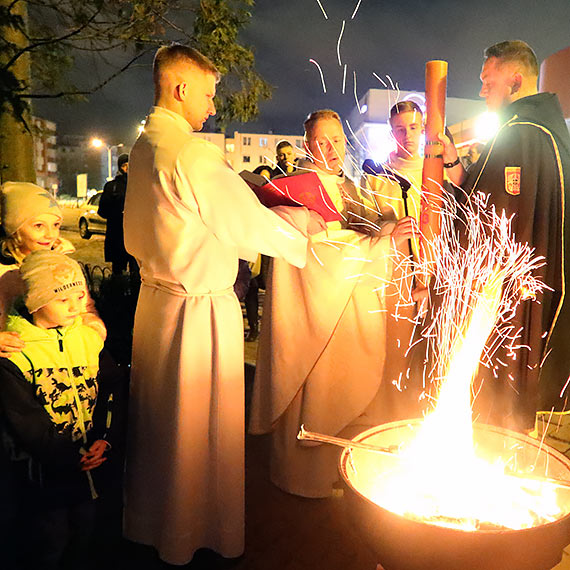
(439, 476)
(443, 474)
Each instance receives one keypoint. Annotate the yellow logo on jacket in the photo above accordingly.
(513, 180)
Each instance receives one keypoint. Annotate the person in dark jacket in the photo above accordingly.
(111, 207)
(525, 169)
(286, 160)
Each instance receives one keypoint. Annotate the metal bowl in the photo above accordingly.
(403, 543)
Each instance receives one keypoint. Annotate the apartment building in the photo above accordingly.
(247, 151)
(45, 159)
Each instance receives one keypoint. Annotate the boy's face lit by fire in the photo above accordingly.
(61, 311)
(407, 129)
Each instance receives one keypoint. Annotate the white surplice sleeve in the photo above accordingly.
(227, 206)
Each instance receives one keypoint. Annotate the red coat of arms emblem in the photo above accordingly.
(513, 180)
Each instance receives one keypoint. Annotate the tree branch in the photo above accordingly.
(88, 91)
(38, 44)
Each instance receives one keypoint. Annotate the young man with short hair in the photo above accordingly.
(188, 218)
(285, 155)
(406, 122)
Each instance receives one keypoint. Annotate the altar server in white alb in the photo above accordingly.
(321, 365)
(188, 217)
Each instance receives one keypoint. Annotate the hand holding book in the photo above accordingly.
(299, 190)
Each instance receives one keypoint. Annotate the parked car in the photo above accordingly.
(90, 222)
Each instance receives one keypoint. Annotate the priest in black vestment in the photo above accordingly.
(525, 168)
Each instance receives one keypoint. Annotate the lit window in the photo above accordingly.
(263, 141)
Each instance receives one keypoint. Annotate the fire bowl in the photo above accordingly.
(402, 543)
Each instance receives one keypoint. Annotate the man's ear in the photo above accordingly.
(516, 83)
(180, 91)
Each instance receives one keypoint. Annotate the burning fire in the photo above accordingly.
(444, 475)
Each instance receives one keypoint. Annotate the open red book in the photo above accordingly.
(299, 190)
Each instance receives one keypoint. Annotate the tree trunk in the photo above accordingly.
(16, 142)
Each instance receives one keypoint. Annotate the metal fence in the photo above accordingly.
(96, 276)
(115, 298)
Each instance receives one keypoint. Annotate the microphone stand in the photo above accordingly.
(370, 167)
(405, 185)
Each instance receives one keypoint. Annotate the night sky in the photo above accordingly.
(386, 38)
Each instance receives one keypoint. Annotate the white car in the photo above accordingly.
(90, 222)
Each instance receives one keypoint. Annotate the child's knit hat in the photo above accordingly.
(48, 275)
(20, 201)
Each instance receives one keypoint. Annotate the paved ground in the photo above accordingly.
(86, 250)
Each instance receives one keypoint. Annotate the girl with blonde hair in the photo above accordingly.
(31, 220)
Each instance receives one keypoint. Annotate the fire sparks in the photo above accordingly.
(338, 43)
(448, 472)
(356, 94)
(321, 74)
(322, 9)
(355, 10)
(465, 271)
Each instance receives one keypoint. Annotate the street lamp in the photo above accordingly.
(98, 143)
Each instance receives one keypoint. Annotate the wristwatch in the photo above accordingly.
(451, 164)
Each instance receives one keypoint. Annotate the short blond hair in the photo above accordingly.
(177, 53)
(316, 116)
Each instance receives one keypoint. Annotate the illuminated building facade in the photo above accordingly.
(247, 151)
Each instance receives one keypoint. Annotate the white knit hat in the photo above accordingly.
(48, 275)
(21, 201)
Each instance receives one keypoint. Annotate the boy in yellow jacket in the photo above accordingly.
(48, 393)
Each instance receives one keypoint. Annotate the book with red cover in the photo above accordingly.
(299, 190)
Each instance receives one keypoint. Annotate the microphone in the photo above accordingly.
(371, 167)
